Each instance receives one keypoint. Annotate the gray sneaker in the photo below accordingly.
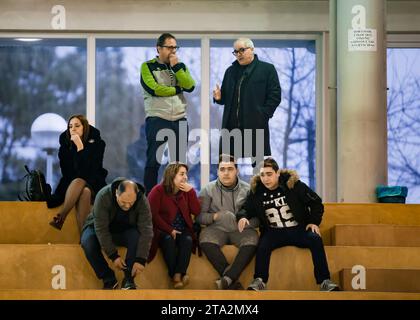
(257, 285)
(222, 283)
(328, 285)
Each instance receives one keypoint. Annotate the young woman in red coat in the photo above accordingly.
(81, 157)
(172, 203)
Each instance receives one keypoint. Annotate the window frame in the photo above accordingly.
(205, 38)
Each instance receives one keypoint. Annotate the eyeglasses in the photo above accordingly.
(240, 50)
(175, 48)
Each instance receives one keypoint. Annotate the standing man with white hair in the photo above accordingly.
(250, 93)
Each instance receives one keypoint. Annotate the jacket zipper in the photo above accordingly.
(172, 76)
(239, 100)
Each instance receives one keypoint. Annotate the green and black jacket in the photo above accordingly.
(163, 88)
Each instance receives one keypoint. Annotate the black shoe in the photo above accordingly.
(236, 285)
(57, 222)
(223, 284)
(110, 284)
(128, 284)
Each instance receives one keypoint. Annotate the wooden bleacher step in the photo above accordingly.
(39, 254)
(376, 235)
(367, 213)
(41, 267)
(381, 280)
(208, 295)
(27, 222)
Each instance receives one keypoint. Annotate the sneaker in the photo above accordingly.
(328, 285)
(236, 285)
(221, 284)
(224, 283)
(257, 285)
(128, 284)
(110, 284)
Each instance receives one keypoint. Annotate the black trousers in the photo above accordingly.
(176, 252)
(294, 236)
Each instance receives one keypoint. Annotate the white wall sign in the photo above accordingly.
(362, 40)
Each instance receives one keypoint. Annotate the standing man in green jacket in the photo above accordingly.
(164, 80)
(120, 217)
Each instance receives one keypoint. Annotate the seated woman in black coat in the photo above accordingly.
(81, 155)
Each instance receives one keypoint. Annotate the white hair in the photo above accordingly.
(248, 42)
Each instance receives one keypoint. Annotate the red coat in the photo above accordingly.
(164, 208)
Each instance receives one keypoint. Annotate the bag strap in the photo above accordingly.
(25, 197)
(38, 175)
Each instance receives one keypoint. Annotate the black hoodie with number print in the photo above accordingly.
(305, 205)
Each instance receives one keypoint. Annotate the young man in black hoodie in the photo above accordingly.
(290, 214)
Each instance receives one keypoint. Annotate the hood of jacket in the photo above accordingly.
(288, 178)
(221, 186)
(94, 135)
(232, 190)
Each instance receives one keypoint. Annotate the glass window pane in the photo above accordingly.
(120, 111)
(45, 76)
(293, 126)
(404, 120)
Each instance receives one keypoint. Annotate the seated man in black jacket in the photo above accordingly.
(121, 217)
(290, 214)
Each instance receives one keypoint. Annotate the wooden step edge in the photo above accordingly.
(164, 294)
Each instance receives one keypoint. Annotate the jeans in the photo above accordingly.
(90, 244)
(177, 132)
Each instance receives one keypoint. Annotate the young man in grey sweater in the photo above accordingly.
(220, 202)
